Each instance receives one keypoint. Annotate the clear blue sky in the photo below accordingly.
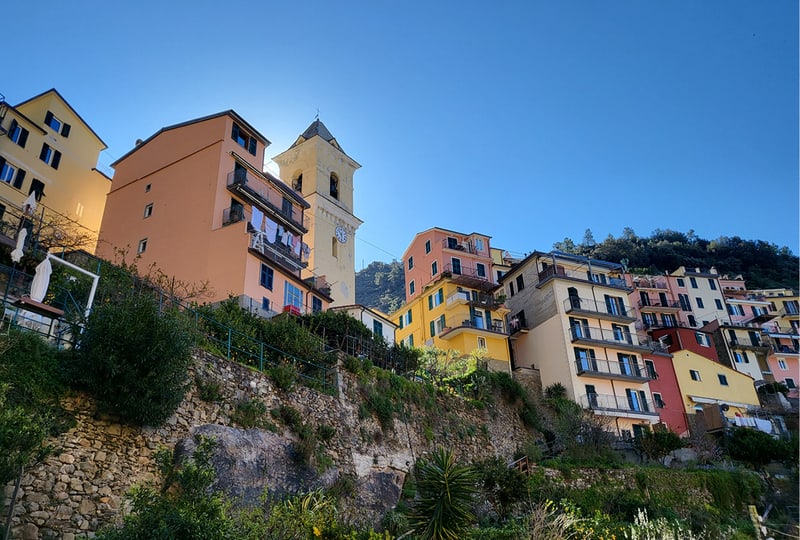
(529, 121)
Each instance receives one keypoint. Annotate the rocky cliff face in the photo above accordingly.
(82, 485)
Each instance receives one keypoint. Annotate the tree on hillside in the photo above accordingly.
(381, 286)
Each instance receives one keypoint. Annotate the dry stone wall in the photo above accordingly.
(83, 484)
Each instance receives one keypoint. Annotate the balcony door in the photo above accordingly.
(591, 396)
(456, 264)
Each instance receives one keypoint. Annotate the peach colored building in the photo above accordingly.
(193, 201)
(571, 321)
(782, 334)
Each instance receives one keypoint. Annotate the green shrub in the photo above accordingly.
(135, 360)
(283, 376)
(250, 413)
(325, 432)
(208, 390)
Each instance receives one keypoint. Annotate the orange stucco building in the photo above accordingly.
(193, 201)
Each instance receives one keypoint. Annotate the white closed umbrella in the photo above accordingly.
(41, 280)
(29, 206)
(17, 254)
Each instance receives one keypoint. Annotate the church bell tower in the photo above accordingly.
(317, 167)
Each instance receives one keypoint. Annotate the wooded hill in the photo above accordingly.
(762, 264)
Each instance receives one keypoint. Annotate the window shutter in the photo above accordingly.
(235, 132)
(2, 163)
(433, 329)
(12, 127)
(65, 130)
(19, 178)
(23, 137)
(43, 153)
(56, 159)
(48, 118)
(252, 146)
(442, 321)
(430, 302)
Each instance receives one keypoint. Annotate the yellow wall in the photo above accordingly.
(75, 190)
(740, 387)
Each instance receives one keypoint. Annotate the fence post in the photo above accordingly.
(261, 356)
(229, 342)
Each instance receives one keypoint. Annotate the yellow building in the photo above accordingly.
(450, 300)
(47, 149)
(317, 167)
(703, 381)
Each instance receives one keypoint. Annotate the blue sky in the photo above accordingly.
(528, 121)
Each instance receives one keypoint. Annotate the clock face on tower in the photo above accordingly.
(341, 234)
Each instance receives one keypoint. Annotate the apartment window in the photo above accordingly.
(723, 380)
(694, 374)
(17, 133)
(10, 174)
(637, 400)
(510, 289)
(266, 277)
(681, 282)
(712, 283)
(243, 139)
(481, 269)
(520, 283)
(264, 303)
(452, 243)
(614, 304)
(286, 208)
(500, 274)
(738, 357)
(718, 303)
(735, 309)
(692, 320)
(408, 317)
(789, 382)
(650, 367)
(142, 245)
(316, 305)
(334, 186)
(292, 296)
(456, 265)
(658, 400)
(400, 324)
(411, 287)
(56, 125)
(782, 364)
(148, 210)
(434, 268)
(481, 342)
(586, 359)
(702, 339)
(377, 328)
(649, 320)
(427, 246)
(410, 340)
(597, 278)
(669, 320)
(621, 333)
(436, 299)
(684, 301)
(37, 188)
(627, 362)
(410, 263)
(479, 244)
(693, 282)
(699, 302)
(50, 156)
(147, 187)
(792, 307)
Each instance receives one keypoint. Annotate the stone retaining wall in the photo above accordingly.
(83, 484)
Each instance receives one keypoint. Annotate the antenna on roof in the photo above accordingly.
(317, 117)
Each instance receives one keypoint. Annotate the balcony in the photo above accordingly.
(254, 189)
(478, 300)
(464, 246)
(517, 325)
(634, 407)
(659, 305)
(755, 346)
(605, 369)
(604, 310)
(645, 283)
(616, 339)
(559, 272)
(234, 214)
(276, 252)
(468, 276)
(495, 327)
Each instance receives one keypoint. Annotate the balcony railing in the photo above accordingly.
(480, 324)
(621, 339)
(234, 214)
(610, 369)
(757, 345)
(586, 305)
(561, 272)
(465, 246)
(480, 300)
(658, 303)
(240, 180)
(517, 323)
(650, 284)
(276, 252)
(469, 276)
(623, 404)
